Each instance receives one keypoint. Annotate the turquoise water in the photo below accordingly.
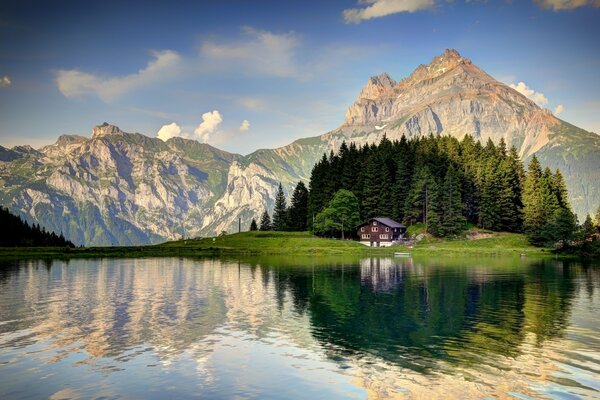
(299, 328)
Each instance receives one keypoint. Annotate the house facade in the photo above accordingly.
(380, 231)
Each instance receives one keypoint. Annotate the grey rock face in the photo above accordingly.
(126, 188)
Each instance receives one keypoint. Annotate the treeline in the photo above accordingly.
(292, 218)
(17, 233)
(441, 182)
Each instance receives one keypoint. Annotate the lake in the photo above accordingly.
(280, 328)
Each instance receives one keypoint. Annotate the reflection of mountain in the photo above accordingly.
(375, 317)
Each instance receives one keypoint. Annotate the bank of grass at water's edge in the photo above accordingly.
(295, 243)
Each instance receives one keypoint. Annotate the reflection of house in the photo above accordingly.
(380, 231)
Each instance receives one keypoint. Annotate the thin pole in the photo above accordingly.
(239, 224)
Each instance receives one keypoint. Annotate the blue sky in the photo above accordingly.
(244, 75)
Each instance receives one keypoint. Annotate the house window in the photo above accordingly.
(374, 229)
(362, 228)
(383, 236)
(387, 229)
(374, 223)
(366, 236)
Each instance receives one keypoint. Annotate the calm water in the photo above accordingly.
(279, 328)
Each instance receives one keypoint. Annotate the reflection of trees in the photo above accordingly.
(411, 313)
(416, 314)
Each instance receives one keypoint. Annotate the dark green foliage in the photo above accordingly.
(371, 188)
(446, 184)
(15, 232)
(548, 218)
(452, 219)
(253, 225)
(280, 211)
(340, 216)
(298, 211)
(265, 222)
(587, 228)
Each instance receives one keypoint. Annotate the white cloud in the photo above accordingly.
(166, 132)
(265, 53)
(538, 98)
(381, 8)
(76, 83)
(558, 5)
(210, 121)
(245, 125)
(559, 109)
(5, 81)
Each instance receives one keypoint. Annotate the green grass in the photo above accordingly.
(499, 243)
(289, 243)
(300, 243)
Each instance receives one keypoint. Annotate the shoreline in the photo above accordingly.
(291, 244)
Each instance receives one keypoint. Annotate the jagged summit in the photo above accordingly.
(105, 129)
(377, 86)
(127, 188)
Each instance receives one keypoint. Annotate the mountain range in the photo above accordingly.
(118, 188)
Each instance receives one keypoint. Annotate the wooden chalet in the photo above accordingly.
(380, 231)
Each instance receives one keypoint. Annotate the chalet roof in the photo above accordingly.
(385, 221)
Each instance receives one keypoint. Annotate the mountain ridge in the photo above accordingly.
(127, 188)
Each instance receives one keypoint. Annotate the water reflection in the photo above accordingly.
(274, 327)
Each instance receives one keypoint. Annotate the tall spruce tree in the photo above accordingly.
(417, 199)
(534, 210)
(489, 209)
(385, 201)
(280, 211)
(587, 228)
(452, 206)
(265, 222)
(298, 210)
(371, 189)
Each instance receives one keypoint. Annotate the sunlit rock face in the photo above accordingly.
(126, 188)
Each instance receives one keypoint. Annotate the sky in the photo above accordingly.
(243, 75)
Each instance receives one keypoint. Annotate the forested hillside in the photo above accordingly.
(17, 233)
(445, 184)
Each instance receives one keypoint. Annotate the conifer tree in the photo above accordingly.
(401, 186)
(317, 198)
(265, 222)
(385, 202)
(433, 213)
(298, 210)
(560, 190)
(598, 219)
(371, 188)
(253, 225)
(489, 210)
(452, 213)
(587, 228)
(418, 196)
(534, 215)
(280, 211)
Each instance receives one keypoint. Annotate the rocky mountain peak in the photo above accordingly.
(441, 64)
(105, 129)
(377, 86)
(64, 140)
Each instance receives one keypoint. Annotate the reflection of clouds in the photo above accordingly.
(216, 324)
